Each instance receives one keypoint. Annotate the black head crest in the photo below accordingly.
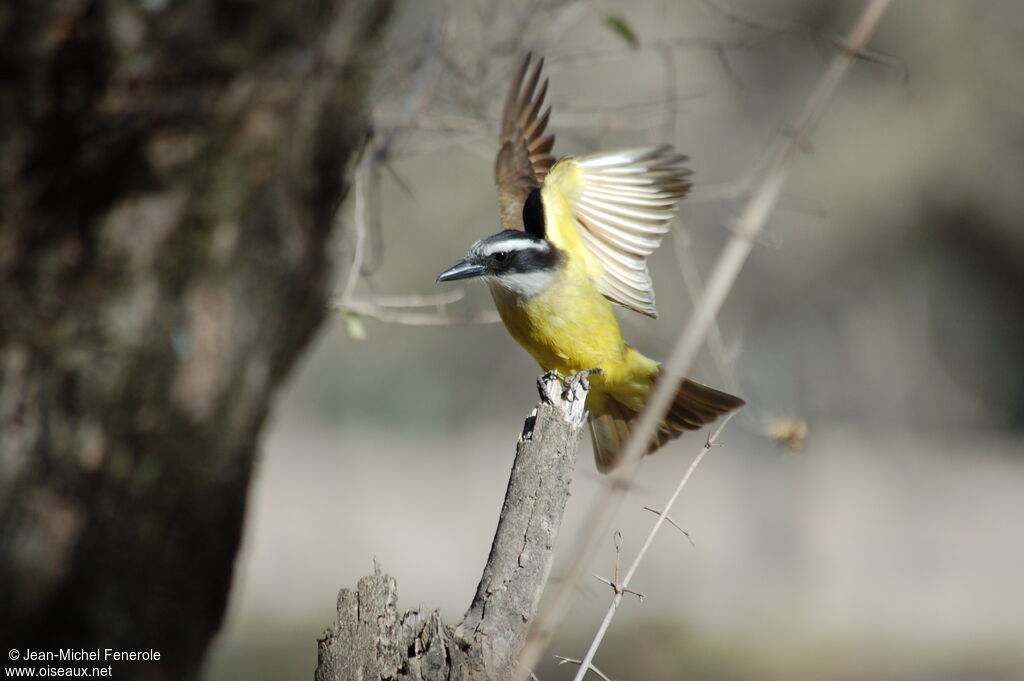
(533, 214)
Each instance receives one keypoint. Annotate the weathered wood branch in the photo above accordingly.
(370, 641)
(169, 176)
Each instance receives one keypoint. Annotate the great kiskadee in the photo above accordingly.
(576, 239)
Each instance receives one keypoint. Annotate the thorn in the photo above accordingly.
(639, 595)
(874, 57)
(709, 443)
(617, 538)
(618, 588)
(674, 524)
(572, 660)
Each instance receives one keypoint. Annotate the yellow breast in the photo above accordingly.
(569, 327)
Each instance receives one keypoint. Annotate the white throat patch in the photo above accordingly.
(522, 284)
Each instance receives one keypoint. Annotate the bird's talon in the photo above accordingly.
(578, 379)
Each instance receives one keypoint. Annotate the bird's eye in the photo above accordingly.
(501, 256)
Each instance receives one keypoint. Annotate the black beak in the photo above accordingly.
(461, 270)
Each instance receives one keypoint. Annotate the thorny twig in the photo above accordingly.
(662, 517)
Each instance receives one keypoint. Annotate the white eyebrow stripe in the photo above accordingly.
(512, 245)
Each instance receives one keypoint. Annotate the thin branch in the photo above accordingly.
(564, 21)
(695, 289)
(596, 55)
(369, 308)
(359, 220)
(421, 300)
(662, 517)
(750, 22)
(723, 275)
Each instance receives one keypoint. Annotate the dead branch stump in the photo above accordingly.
(371, 641)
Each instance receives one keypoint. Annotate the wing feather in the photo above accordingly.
(617, 206)
(631, 198)
(611, 208)
(623, 210)
(524, 151)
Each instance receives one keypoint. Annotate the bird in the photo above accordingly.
(576, 236)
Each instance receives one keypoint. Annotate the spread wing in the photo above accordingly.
(612, 209)
(524, 153)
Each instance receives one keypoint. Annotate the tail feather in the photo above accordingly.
(609, 430)
(694, 406)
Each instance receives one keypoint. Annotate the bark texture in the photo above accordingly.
(169, 173)
(371, 641)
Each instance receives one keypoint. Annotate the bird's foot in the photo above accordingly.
(572, 384)
(570, 388)
(566, 394)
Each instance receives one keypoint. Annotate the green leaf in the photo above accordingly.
(354, 326)
(618, 25)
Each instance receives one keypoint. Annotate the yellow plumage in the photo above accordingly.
(570, 326)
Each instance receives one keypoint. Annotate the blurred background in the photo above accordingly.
(883, 309)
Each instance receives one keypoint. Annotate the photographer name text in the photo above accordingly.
(90, 655)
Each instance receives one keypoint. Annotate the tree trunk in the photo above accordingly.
(370, 641)
(169, 175)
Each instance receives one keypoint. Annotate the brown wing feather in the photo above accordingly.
(524, 151)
